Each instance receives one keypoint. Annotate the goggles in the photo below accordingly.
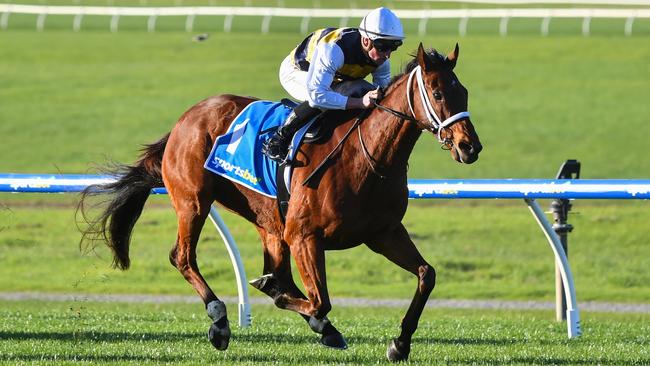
(384, 45)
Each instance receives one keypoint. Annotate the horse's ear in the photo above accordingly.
(452, 57)
(423, 59)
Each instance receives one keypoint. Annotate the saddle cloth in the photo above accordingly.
(236, 155)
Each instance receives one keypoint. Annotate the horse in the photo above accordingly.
(358, 197)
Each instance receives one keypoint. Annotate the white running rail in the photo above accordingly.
(423, 15)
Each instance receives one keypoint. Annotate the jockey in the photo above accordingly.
(327, 70)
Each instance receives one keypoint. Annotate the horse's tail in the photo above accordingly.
(128, 195)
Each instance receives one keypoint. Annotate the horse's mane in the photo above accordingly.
(431, 53)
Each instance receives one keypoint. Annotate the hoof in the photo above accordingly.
(260, 283)
(268, 285)
(334, 340)
(398, 351)
(219, 334)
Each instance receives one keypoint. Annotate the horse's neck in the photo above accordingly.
(389, 139)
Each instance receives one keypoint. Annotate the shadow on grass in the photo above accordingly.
(100, 336)
(545, 360)
(464, 341)
(93, 358)
(371, 340)
(257, 349)
(292, 339)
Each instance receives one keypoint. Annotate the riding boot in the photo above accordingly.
(277, 146)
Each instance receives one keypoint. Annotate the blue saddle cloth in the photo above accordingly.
(237, 156)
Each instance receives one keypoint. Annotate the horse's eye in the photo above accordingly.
(437, 95)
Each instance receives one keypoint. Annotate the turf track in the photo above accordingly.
(343, 302)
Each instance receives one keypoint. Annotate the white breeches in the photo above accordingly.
(293, 80)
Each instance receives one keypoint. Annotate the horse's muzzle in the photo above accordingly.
(466, 152)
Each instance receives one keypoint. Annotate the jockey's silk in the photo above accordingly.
(356, 64)
(236, 155)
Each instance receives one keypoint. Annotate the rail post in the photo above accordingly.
(560, 208)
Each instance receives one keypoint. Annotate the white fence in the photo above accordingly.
(267, 13)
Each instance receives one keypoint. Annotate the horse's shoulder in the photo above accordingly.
(221, 100)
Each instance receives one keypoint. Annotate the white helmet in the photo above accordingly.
(381, 23)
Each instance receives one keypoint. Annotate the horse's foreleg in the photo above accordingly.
(397, 247)
(277, 282)
(310, 261)
(191, 217)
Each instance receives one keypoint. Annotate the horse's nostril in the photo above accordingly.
(464, 146)
(478, 148)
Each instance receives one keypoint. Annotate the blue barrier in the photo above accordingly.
(527, 189)
(531, 188)
(55, 183)
(418, 188)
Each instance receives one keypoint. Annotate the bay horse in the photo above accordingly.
(359, 198)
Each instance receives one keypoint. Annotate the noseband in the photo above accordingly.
(435, 125)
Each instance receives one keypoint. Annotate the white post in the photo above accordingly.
(244, 305)
(227, 23)
(151, 23)
(422, 26)
(546, 22)
(585, 26)
(572, 313)
(304, 24)
(4, 20)
(189, 23)
(76, 24)
(628, 26)
(115, 20)
(503, 26)
(266, 24)
(462, 26)
(40, 22)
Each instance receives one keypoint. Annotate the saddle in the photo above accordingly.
(236, 155)
(317, 132)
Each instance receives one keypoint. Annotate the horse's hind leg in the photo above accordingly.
(397, 247)
(191, 213)
(277, 282)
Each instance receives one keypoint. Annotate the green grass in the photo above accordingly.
(155, 334)
(480, 249)
(70, 99)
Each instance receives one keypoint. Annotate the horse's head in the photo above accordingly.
(438, 99)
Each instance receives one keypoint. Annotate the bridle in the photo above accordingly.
(435, 125)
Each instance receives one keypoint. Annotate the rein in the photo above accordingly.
(366, 154)
(356, 124)
(395, 113)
